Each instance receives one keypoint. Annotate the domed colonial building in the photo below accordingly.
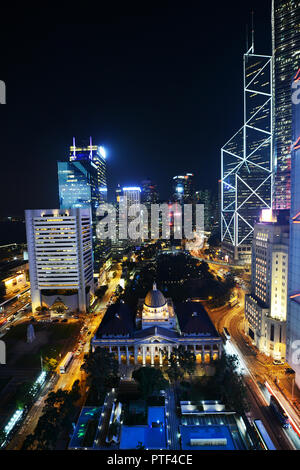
(157, 311)
(155, 329)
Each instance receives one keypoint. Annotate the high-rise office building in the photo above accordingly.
(82, 184)
(78, 185)
(60, 257)
(183, 188)
(149, 194)
(118, 245)
(266, 306)
(132, 195)
(246, 161)
(286, 53)
(97, 155)
(206, 198)
(118, 194)
(293, 320)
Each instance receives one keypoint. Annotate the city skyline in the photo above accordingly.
(152, 302)
(150, 115)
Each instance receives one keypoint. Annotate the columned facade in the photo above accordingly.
(162, 329)
(154, 353)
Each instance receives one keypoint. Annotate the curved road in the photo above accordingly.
(232, 319)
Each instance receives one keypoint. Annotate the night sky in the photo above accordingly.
(161, 89)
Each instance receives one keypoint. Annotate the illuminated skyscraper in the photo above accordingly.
(266, 306)
(131, 197)
(210, 203)
(97, 157)
(286, 54)
(60, 256)
(78, 185)
(149, 193)
(183, 188)
(82, 184)
(293, 319)
(246, 161)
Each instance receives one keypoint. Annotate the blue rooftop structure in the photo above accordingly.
(151, 436)
(215, 434)
(87, 413)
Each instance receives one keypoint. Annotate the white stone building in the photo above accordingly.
(266, 306)
(145, 337)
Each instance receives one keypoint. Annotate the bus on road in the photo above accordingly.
(279, 412)
(264, 438)
(65, 363)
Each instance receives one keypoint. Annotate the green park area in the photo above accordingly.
(52, 340)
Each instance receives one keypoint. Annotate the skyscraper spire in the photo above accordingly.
(91, 152)
(74, 146)
(252, 31)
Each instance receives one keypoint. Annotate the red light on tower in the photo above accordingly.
(297, 76)
(297, 144)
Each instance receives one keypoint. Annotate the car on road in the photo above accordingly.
(277, 362)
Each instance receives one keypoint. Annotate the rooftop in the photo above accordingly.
(151, 436)
(207, 437)
(118, 320)
(193, 319)
(155, 298)
(87, 413)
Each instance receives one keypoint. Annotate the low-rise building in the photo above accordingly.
(145, 337)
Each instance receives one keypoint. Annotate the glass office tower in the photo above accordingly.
(183, 188)
(246, 161)
(78, 185)
(286, 53)
(293, 317)
(95, 157)
(82, 184)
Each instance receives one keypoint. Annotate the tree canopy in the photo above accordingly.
(102, 369)
(150, 380)
(57, 417)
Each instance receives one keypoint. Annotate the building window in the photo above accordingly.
(272, 333)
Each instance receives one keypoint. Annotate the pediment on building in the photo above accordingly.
(155, 340)
(156, 335)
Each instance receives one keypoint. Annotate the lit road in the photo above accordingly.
(14, 308)
(255, 374)
(74, 372)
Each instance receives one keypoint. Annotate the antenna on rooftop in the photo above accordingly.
(74, 144)
(252, 31)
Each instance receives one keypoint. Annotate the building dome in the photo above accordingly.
(154, 298)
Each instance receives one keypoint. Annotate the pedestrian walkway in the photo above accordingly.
(173, 421)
